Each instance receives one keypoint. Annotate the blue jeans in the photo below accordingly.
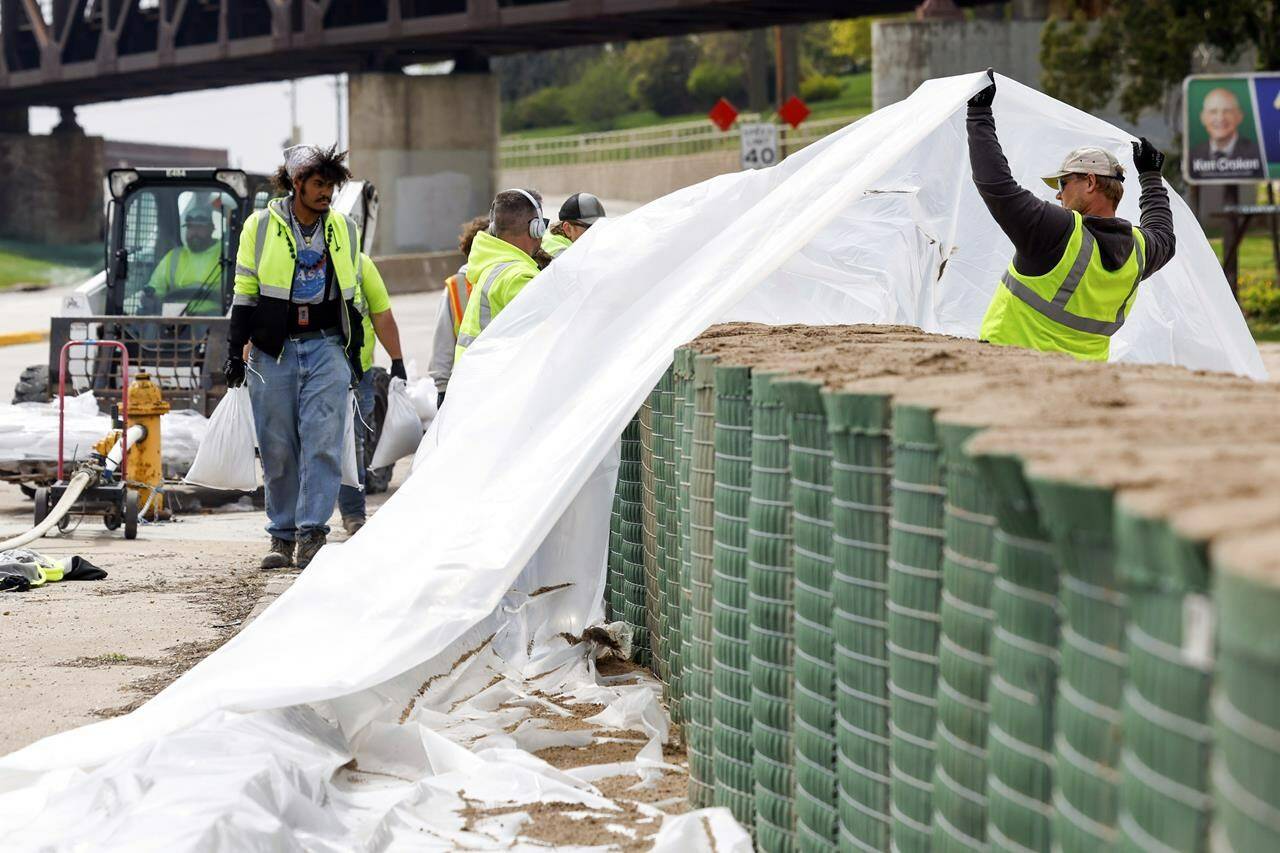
(351, 500)
(298, 413)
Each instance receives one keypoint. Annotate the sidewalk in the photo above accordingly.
(77, 652)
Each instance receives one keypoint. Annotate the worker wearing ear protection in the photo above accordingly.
(501, 261)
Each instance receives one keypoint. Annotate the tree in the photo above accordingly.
(710, 81)
(659, 70)
(601, 93)
(1141, 49)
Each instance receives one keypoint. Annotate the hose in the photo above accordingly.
(75, 488)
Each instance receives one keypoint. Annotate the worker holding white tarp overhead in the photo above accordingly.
(1076, 268)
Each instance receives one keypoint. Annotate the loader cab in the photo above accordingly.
(171, 239)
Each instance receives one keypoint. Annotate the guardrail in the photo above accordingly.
(664, 140)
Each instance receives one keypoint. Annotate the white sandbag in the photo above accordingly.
(225, 459)
(401, 427)
(423, 394)
(350, 461)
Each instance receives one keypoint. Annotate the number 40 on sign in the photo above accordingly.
(759, 145)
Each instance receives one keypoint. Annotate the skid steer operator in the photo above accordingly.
(295, 301)
(1075, 268)
(193, 270)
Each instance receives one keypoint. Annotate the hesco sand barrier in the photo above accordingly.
(922, 593)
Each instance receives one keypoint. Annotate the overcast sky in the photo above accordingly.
(251, 122)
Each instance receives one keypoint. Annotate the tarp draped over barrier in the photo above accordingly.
(513, 484)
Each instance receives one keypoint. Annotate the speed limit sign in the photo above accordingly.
(759, 145)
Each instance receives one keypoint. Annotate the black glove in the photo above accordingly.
(439, 399)
(987, 95)
(1147, 157)
(357, 369)
(233, 371)
(397, 369)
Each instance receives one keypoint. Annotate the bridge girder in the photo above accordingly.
(86, 51)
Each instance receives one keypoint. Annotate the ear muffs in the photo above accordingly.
(537, 225)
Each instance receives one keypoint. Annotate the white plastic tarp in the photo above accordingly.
(513, 482)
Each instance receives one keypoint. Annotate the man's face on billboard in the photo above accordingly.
(1221, 115)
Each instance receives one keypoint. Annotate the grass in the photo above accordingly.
(1256, 257)
(1256, 262)
(854, 101)
(34, 265)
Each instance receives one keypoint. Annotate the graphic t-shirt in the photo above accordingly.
(315, 304)
(310, 272)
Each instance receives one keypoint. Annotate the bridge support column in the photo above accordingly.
(430, 144)
(53, 191)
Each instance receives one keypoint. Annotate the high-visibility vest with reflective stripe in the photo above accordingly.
(275, 257)
(275, 254)
(1074, 308)
(459, 289)
(185, 268)
(469, 330)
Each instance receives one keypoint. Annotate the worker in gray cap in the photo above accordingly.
(1076, 267)
(577, 214)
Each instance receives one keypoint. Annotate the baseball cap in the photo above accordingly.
(581, 207)
(1087, 161)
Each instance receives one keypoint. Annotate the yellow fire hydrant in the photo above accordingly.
(146, 465)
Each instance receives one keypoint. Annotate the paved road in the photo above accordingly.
(76, 651)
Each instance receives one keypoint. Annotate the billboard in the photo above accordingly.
(1231, 128)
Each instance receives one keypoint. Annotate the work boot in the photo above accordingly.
(280, 555)
(352, 523)
(308, 545)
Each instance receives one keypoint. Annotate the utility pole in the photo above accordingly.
(295, 132)
(337, 110)
(786, 62)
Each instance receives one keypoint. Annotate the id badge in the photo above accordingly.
(304, 315)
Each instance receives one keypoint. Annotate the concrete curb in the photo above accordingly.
(31, 337)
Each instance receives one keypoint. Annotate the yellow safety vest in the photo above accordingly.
(1074, 308)
(500, 272)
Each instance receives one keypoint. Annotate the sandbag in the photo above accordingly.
(225, 458)
(350, 460)
(401, 428)
(423, 393)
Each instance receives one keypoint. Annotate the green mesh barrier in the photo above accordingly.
(631, 493)
(817, 816)
(731, 654)
(770, 613)
(964, 651)
(1165, 796)
(665, 491)
(861, 479)
(613, 583)
(1088, 719)
(698, 675)
(915, 594)
(1024, 643)
(681, 379)
(658, 606)
(1246, 711)
(649, 531)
